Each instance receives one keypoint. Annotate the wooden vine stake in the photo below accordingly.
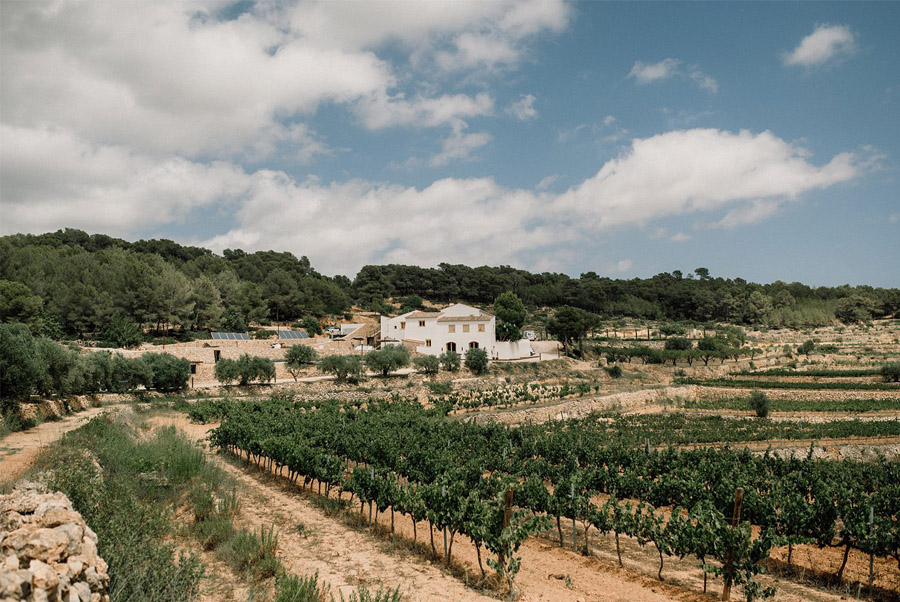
(729, 565)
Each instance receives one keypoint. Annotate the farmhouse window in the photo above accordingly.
(451, 346)
(451, 328)
(217, 355)
(465, 328)
(428, 342)
(421, 323)
(402, 325)
(481, 328)
(473, 345)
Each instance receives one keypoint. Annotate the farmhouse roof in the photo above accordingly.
(422, 314)
(464, 319)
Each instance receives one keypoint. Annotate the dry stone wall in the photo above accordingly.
(47, 551)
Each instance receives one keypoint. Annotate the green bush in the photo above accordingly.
(477, 360)
(311, 326)
(428, 364)
(891, 372)
(678, 343)
(759, 402)
(614, 371)
(290, 588)
(444, 387)
(170, 373)
(450, 361)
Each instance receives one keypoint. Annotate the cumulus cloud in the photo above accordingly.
(180, 78)
(647, 73)
(742, 175)
(698, 170)
(728, 179)
(825, 43)
(523, 109)
(680, 237)
(51, 179)
(459, 145)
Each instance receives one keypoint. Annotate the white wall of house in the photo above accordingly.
(457, 327)
(512, 350)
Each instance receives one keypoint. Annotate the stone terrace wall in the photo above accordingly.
(47, 551)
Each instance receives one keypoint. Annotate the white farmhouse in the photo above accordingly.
(458, 327)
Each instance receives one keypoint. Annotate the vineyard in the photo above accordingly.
(512, 394)
(498, 485)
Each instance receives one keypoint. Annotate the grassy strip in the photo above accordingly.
(124, 491)
(794, 405)
(127, 489)
(761, 384)
(815, 373)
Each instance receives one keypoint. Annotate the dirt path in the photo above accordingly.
(18, 450)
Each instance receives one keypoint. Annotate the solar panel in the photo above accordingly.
(230, 336)
(292, 334)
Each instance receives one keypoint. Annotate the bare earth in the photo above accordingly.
(18, 450)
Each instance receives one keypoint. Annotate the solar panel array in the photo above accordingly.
(230, 336)
(292, 334)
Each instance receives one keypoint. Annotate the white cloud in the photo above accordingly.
(704, 81)
(101, 188)
(523, 109)
(894, 218)
(359, 222)
(698, 170)
(751, 213)
(379, 111)
(743, 176)
(680, 237)
(645, 73)
(825, 43)
(176, 78)
(459, 145)
(546, 182)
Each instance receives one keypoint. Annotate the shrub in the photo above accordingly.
(678, 343)
(614, 371)
(891, 372)
(760, 404)
(440, 387)
(477, 360)
(262, 333)
(428, 364)
(450, 361)
(311, 326)
(169, 373)
(807, 347)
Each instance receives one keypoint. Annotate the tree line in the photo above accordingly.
(73, 284)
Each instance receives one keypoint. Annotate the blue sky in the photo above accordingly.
(760, 140)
